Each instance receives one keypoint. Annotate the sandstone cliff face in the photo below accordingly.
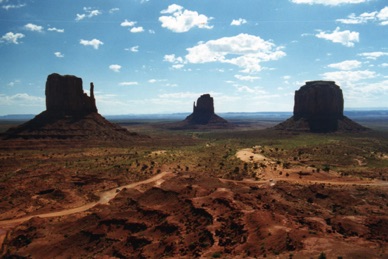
(319, 98)
(321, 103)
(203, 112)
(319, 107)
(205, 105)
(64, 95)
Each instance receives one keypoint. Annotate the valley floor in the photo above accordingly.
(231, 193)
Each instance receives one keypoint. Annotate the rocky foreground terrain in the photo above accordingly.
(131, 203)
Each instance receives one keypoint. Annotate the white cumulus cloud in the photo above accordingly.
(136, 29)
(127, 23)
(13, 83)
(59, 54)
(33, 27)
(238, 22)
(373, 55)
(11, 37)
(95, 43)
(173, 59)
(12, 6)
(180, 95)
(179, 19)
(247, 78)
(21, 99)
(113, 10)
(89, 13)
(346, 38)
(383, 16)
(349, 76)
(134, 49)
(244, 50)
(131, 24)
(128, 83)
(115, 68)
(363, 18)
(172, 9)
(346, 65)
(329, 2)
(56, 30)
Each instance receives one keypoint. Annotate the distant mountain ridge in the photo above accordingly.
(353, 113)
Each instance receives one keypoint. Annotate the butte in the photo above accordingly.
(70, 114)
(319, 107)
(204, 115)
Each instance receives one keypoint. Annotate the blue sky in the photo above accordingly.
(152, 56)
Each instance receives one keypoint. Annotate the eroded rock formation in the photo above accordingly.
(319, 107)
(70, 114)
(64, 95)
(203, 112)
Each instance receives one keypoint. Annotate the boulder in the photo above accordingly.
(319, 107)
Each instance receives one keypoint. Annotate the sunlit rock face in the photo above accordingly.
(203, 112)
(319, 107)
(64, 95)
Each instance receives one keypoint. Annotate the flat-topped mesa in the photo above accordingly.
(321, 103)
(319, 107)
(203, 112)
(65, 96)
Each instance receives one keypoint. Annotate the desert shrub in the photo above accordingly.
(255, 166)
(245, 166)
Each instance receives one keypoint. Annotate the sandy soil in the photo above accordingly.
(104, 198)
(248, 155)
(272, 212)
(209, 216)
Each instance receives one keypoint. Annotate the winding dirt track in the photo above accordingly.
(105, 197)
(247, 155)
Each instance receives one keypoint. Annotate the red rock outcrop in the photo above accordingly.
(64, 95)
(319, 107)
(70, 114)
(203, 112)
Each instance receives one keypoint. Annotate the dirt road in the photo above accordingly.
(105, 197)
